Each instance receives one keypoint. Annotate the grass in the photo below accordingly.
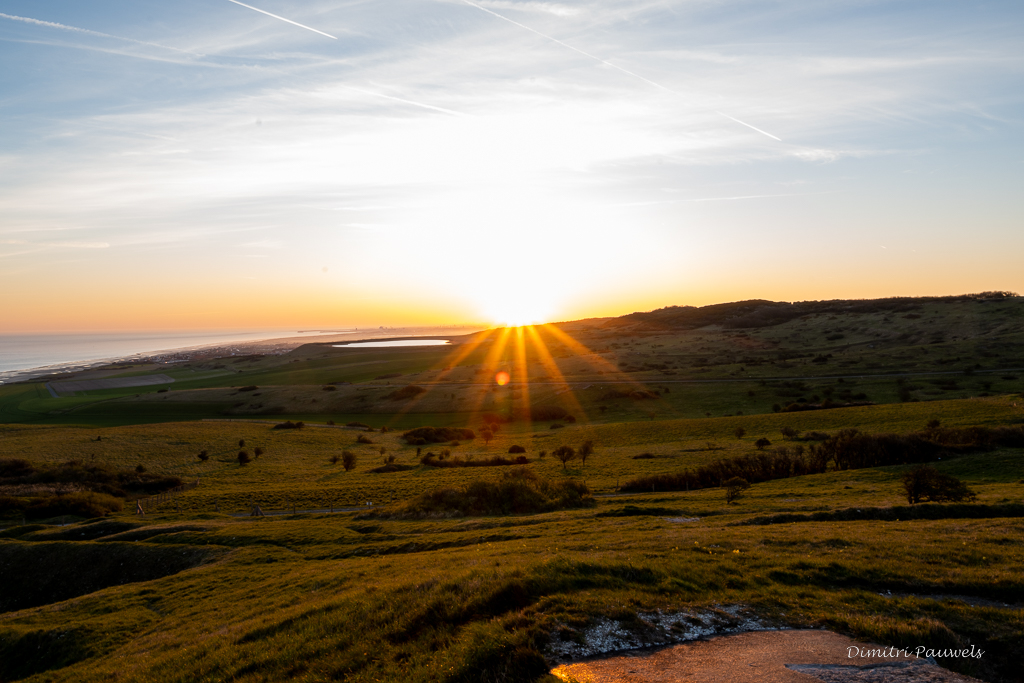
(193, 592)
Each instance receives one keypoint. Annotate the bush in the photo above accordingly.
(363, 438)
(258, 451)
(251, 387)
(547, 413)
(204, 456)
(330, 387)
(740, 432)
(288, 424)
(789, 433)
(406, 392)
(518, 492)
(241, 443)
(348, 460)
(928, 484)
(244, 458)
(81, 504)
(762, 443)
(15, 467)
(734, 487)
(516, 449)
(585, 451)
(443, 460)
(140, 468)
(425, 435)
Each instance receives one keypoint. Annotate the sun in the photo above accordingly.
(516, 304)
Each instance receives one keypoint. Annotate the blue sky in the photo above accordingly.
(202, 164)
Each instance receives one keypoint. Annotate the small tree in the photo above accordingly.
(734, 488)
(241, 443)
(789, 433)
(348, 460)
(140, 469)
(244, 458)
(762, 443)
(335, 458)
(586, 450)
(204, 456)
(927, 483)
(486, 435)
(258, 451)
(740, 432)
(564, 454)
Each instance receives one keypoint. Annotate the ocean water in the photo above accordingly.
(27, 351)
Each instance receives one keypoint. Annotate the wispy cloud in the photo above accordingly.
(90, 32)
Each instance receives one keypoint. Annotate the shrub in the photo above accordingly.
(204, 456)
(445, 460)
(15, 467)
(363, 438)
(250, 387)
(425, 435)
(740, 432)
(140, 468)
(330, 387)
(80, 504)
(516, 449)
(406, 392)
(486, 435)
(762, 443)
(244, 458)
(585, 451)
(334, 458)
(928, 484)
(288, 424)
(547, 413)
(789, 433)
(241, 443)
(518, 492)
(348, 460)
(258, 451)
(734, 487)
(564, 454)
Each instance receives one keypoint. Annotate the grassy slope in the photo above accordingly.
(753, 369)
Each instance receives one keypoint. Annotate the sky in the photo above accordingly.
(214, 164)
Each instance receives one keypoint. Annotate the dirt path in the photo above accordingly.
(763, 657)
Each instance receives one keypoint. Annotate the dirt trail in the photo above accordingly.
(762, 657)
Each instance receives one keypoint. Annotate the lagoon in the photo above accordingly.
(389, 344)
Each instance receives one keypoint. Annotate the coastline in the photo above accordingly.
(265, 346)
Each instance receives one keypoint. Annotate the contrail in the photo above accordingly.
(742, 123)
(404, 101)
(75, 29)
(566, 45)
(294, 23)
(606, 63)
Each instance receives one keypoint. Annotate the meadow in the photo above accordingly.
(197, 589)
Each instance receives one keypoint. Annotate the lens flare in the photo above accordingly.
(502, 378)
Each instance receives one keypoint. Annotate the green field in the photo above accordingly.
(199, 590)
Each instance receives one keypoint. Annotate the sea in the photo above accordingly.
(20, 352)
